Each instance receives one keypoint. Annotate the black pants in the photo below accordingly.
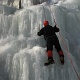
(53, 40)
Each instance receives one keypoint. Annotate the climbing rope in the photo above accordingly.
(66, 49)
(44, 12)
(53, 16)
(69, 57)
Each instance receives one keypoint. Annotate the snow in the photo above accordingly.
(23, 53)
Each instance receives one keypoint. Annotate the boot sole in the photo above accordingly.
(46, 64)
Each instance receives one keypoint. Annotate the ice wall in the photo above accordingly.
(23, 53)
(27, 3)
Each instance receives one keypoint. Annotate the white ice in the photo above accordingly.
(23, 53)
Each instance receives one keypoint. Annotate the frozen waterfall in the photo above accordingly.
(23, 53)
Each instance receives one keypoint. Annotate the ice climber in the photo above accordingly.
(51, 39)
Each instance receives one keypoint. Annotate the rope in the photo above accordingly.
(63, 41)
(69, 57)
(52, 16)
(73, 65)
(44, 12)
(66, 50)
